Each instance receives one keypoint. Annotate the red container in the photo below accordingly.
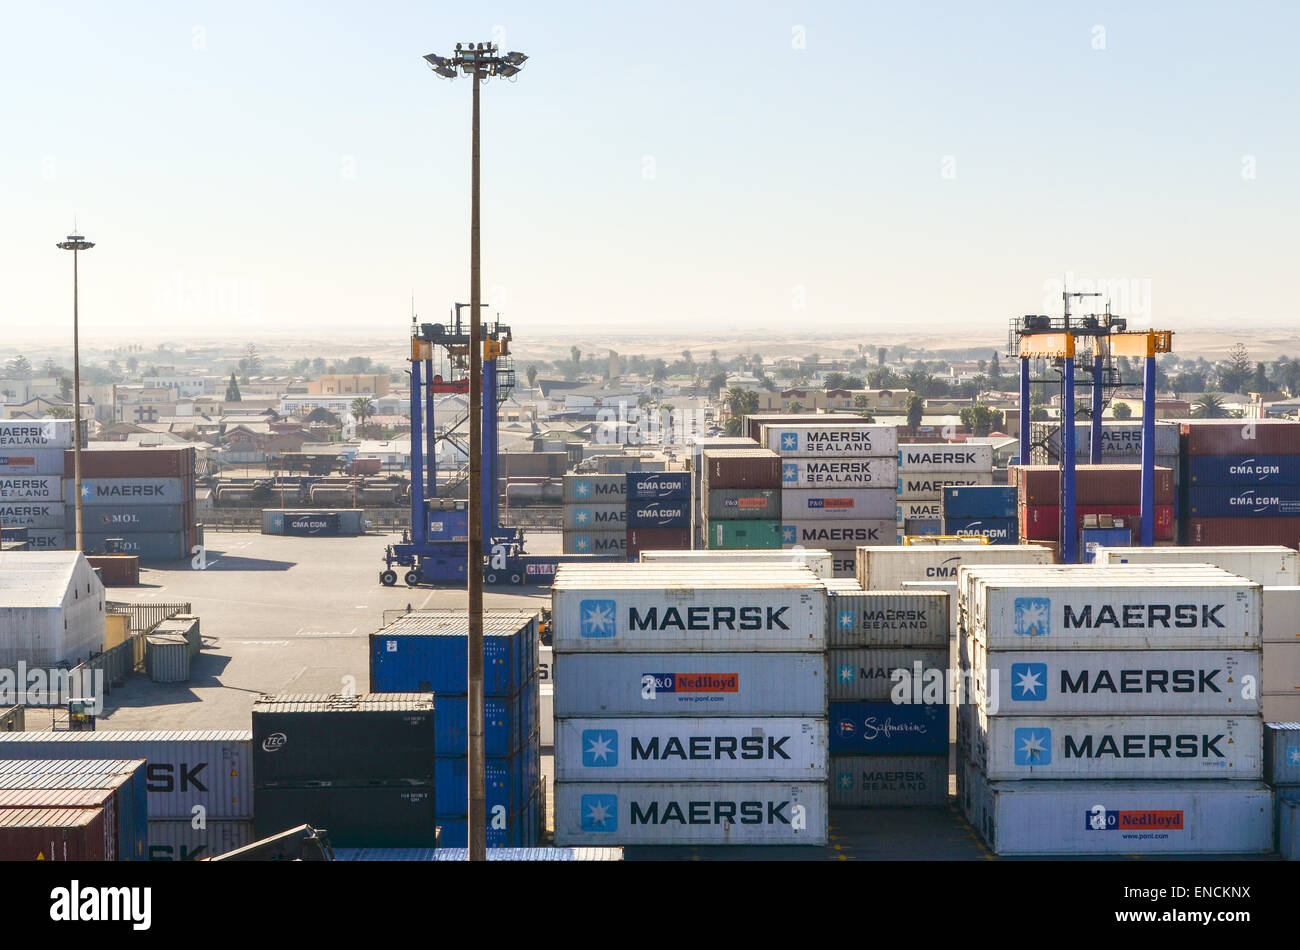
(656, 539)
(1093, 485)
(68, 798)
(1042, 522)
(53, 834)
(753, 425)
(1240, 437)
(741, 468)
(117, 570)
(132, 463)
(1230, 531)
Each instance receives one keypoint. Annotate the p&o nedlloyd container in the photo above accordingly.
(710, 813)
(851, 504)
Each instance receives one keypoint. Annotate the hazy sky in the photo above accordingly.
(249, 166)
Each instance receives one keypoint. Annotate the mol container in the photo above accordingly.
(888, 781)
(832, 441)
(837, 535)
(887, 568)
(888, 728)
(657, 608)
(429, 652)
(733, 749)
(700, 813)
(873, 675)
(133, 518)
(1270, 565)
(148, 546)
(212, 768)
(839, 472)
(883, 618)
(847, 504)
(598, 685)
(816, 560)
(1104, 747)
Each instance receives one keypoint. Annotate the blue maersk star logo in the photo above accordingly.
(86, 492)
(597, 618)
(789, 441)
(599, 748)
(790, 472)
(1033, 617)
(846, 619)
(787, 534)
(582, 544)
(599, 812)
(1029, 682)
(1033, 746)
(582, 489)
(581, 516)
(845, 780)
(846, 674)
(1293, 755)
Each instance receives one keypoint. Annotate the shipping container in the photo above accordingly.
(133, 518)
(122, 842)
(117, 570)
(850, 504)
(1288, 824)
(837, 535)
(32, 514)
(346, 522)
(844, 564)
(836, 440)
(927, 486)
(430, 653)
(918, 728)
(605, 543)
(733, 749)
(1242, 531)
(510, 781)
(642, 540)
(816, 560)
(22, 488)
(509, 723)
(740, 468)
(1218, 501)
(659, 514)
(117, 787)
(373, 737)
(546, 713)
(910, 511)
(595, 489)
(595, 518)
(150, 547)
(735, 504)
(47, 539)
(658, 486)
(997, 530)
(919, 528)
(933, 457)
(873, 675)
(1109, 746)
(743, 535)
(118, 492)
(1281, 614)
(1120, 441)
(133, 463)
(885, 781)
(1240, 437)
(178, 840)
(988, 501)
(53, 834)
(32, 434)
(1281, 707)
(184, 626)
(887, 568)
(211, 768)
(360, 816)
(834, 472)
(1243, 471)
(752, 425)
(17, 461)
(1073, 818)
(1282, 753)
(1270, 565)
(660, 608)
(697, 813)
(1095, 485)
(444, 525)
(596, 685)
(522, 829)
(167, 658)
(1042, 522)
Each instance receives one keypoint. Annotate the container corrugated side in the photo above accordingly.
(888, 728)
(595, 489)
(1227, 531)
(1125, 817)
(1281, 608)
(887, 567)
(885, 781)
(945, 457)
(591, 518)
(1009, 748)
(732, 749)
(888, 619)
(716, 684)
(838, 535)
(832, 440)
(179, 840)
(1270, 565)
(849, 504)
(185, 768)
(54, 834)
(1240, 470)
(1288, 824)
(1282, 753)
(816, 560)
(1238, 437)
(839, 472)
(610, 543)
(702, 813)
(167, 657)
(923, 485)
(871, 675)
(741, 504)
(29, 434)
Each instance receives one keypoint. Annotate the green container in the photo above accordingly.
(744, 535)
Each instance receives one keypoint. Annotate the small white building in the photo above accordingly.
(51, 609)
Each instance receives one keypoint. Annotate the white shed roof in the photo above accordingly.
(36, 578)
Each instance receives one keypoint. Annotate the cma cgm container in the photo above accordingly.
(945, 457)
(1105, 747)
(1220, 501)
(597, 685)
(853, 504)
(305, 737)
(316, 523)
(832, 441)
(658, 486)
(429, 652)
(212, 768)
(661, 608)
(881, 472)
(886, 619)
(674, 513)
(1270, 565)
(817, 561)
(733, 749)
(837, 535)
(1240, 471)
(997, 530)
(888, 781)
(54, 834)
(701, 813)
(888, 728)
(887, 568)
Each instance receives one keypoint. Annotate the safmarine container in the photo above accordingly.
(658, 486)
(743, 535)
(917, 619)
(212, 768)
(988, 501)
(595, 489)
(1227, 531)
(375, 816)
(997, 530)
(591, 518)
(510, 781)
(851, 504)
(605, 543)
(659, 514)
(833, 440)
(1133, 817)
(1105, 747)
(837, 535)
(736, 504)
(597, 685)
(888, 781)
(374, 737)
(54, 834)
(922, 485)
(945, 457)
(167, 658)
(624, 608)
(1100, 682)
(657, 749)
(131, 491)
(1240, 437)
(1243, 471)
(31, 434)
(888, 728)
(30, 487)
(178, 840)
(878, 472)
(1218, 501)
(1282, 753)
(702, 813)
(1270, 565)
(817, 561)
(429, 652)
(873, 675)
(31, 514)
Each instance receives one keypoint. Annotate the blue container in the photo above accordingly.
(509, 723)
(449, 525)
(1092, 538)
(659, 514)
(888, 729)
(523, 829)
(658, 486)
(1243, 470)
(420, 654)
(980, 501)
(1216, 501)
(509, 781)
(997, 530)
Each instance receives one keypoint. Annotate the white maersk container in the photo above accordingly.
(1282, 614)
(886, 568)
(906, 511)
(657, 608)
(546, 713)
(598, 685)
(32, 514)
(1105, 747)
(1270, 565)
(841, 535)
(34, 434)
(830, 503)
(31, 488)
(1105, 682)
(869, 675)
(1124, 817)
(732, 749)
(708, 813)
(816, 560)
(926, 485)
(839, 472)
(832, 441)
(884, 618)
(945, 457)
(888, 781)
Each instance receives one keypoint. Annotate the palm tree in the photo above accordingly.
(915, 408)
(531, 373)
(363, 407)
(1210, 406)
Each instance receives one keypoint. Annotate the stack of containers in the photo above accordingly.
(1282, 772)
(818, 561)
(360, 767)
(925, 470)
(1121, 444)
(595, 515)
(699, 512)
(31, 479)
(887, 656)
(839, 486)
(143, 496)
(1114, 490)
(185, 771)
(1113, 710)
(690, 706)
(658, 512)
(428, 651)
(741, 489)
(73, 810)
(1242, 482)
(986, 511)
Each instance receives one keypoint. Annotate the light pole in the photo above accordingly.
(480, 62)
(76, 243)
